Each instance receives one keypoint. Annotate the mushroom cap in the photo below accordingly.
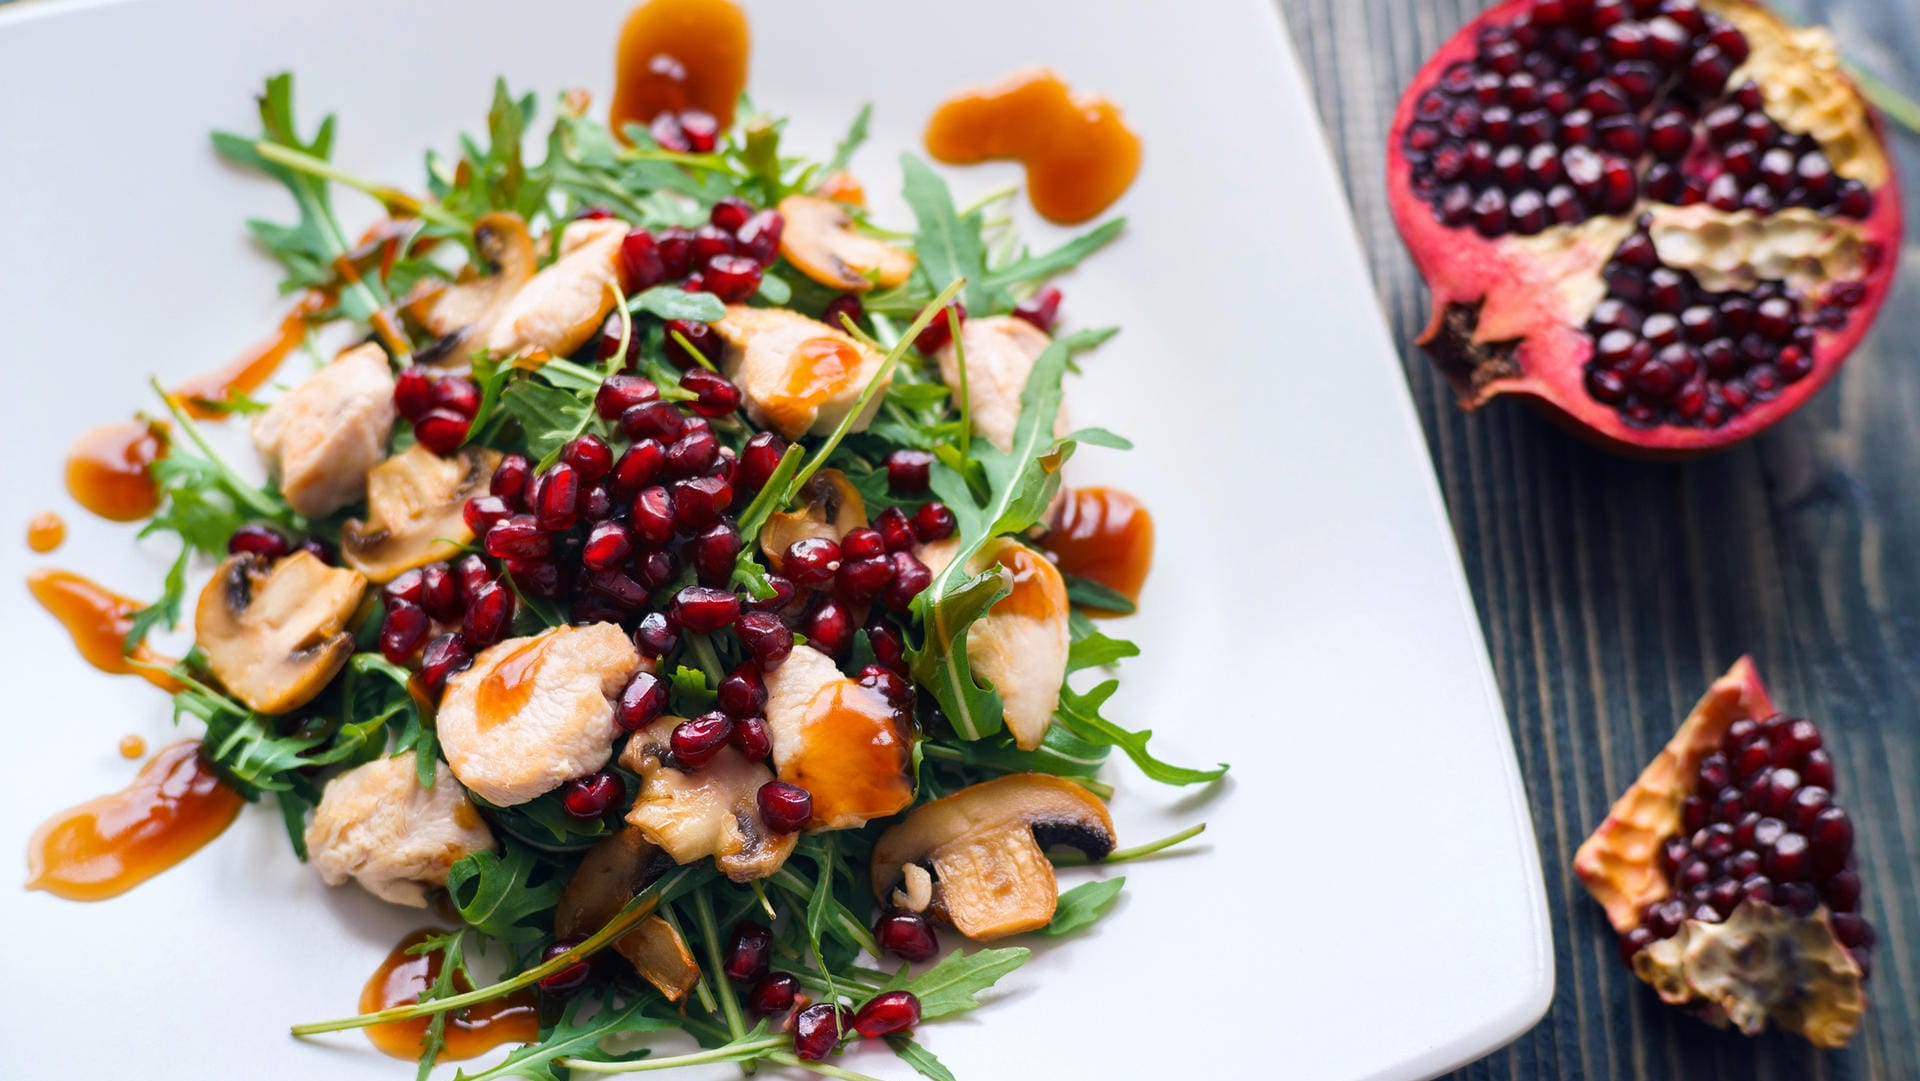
(820, 241)
(532, 713)
(844, 743)
(986, 847)
(323, 437)
(611, 873)
(832, 508)
(565, 304)
(377, 825)
(463, 314)
(1000, 353)
(797, 375)
(416, 502)
(274, 632)
(712, 811)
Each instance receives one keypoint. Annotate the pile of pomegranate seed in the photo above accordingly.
(465, 600)
(1667, 351)
(1580, 108)
(440, 408)
(1761, 827)
(725, 257)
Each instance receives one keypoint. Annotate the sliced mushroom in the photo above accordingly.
(564, 305)
(275, 632)
(842, 742)
(833, 508)
(532, 713)
(611, 874)
(820, 241)
(415, 510)
(375, 824)
(798, 375)
(323, 437)
(986, 846)
(1000, 353)
(712, 811)
(463, 314)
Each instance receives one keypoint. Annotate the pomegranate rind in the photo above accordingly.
(1508, 315)
(1763, 964)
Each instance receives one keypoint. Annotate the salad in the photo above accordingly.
(667, 584)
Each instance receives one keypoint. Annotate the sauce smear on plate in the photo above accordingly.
(46, 532)
(1079, 153)
(98, 619)
(677, 55)
(1104, 535)
(204, 395)
(107, 470)
(109, 845)
(403, 977)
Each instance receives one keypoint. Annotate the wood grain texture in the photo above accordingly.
(1612, 592)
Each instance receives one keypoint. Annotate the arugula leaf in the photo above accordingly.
(1029, 269)
(505, 897)
(453, 966)
(1083, 905)
(577, 1038)
(548, 415)
(950, 986)
(673, 302)
(919, 1058)
(1081, 714)
(1095, 650)
(1087, 593)
(856, 135)
(496, 177)
(947, 243)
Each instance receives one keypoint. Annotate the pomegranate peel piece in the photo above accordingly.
(1762, 964)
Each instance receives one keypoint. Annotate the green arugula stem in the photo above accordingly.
(935, 307)
(953, 754)
(256, 500)
(793, 1061)
(699, 357)
(1138, 852)
(966, 399)
(623, 921)
(700, 988)
(787, 880)
(710, 932)
(737, 1051)
(393, 200)
(987, 200)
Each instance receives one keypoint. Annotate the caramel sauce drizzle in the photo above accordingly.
(1079, 153)
(402, 978)
(1105, 535)
(98, 620)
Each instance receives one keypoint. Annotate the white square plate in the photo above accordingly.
(1367, 903)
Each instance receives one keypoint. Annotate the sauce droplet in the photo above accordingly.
(506, 689)
(107, 470)
(46, 532)
(204, 396)
(1079, 153)
(403, 977)
(132, 746)
(98, 619)
(680, 54)
(1104, 535)
(109, 845)
(853, 759)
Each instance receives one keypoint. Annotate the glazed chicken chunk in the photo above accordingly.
(1000, 352)
(377, 826)
(798, 375)
(323, 437)
(841, 741)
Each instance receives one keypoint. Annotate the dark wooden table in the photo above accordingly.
(1613, 591)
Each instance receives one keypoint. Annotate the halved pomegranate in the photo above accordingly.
(1666, 221)
(1728, 871)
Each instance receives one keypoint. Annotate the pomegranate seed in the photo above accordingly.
(896, 529)
(1041, 309)
(710, 242)
(703, 609)
(910, 578)
(403, 632)
(907, 935)
(592, 796)
(817, 1030)
(939, 331)
(642, 702)
(785, 807)
(441, 431)
(889, 1012)
(783, 592)
(653, 420)
(760, 457)
(702, 131)
(510, 478)
(652, 515)
(259, 540)
(749, 952)
(829, 628)
(760, 237)
(692, 454)
(676, 250)
(766, 638)
(773, 995)
(889, 683)
(730, 213)
(741, 693)
(934, 521)
(700, 502)
(696, 334)
(714, 554)
(863, 543)
(406, 588)
(607, 546)
(861, 580)
(637, 468)
(556, 498)
(733, 278)
(620, 393)
(640, 261)
(811, 561)
(482, 513)
(695, 742)
(589, 456)
(717, 395)
(412, 393)
(655, 567)
(540, 578)
(443, 657)
(846, 307)
(908, 471)
(519, 537)
(571, 978)
(751, 738)
(889, 646)
(489, 613)
(667, 132)
(440, 592)
(456, 394)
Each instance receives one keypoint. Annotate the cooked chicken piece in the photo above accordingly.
(842, 742)
(821, 243)
(375, 824)
(416, 510)
(1000, 351)
(564, 305)
(323, 437)
(798, 375)
(275, 632)
(1020, 645)
(712, 811)
(534, 712)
